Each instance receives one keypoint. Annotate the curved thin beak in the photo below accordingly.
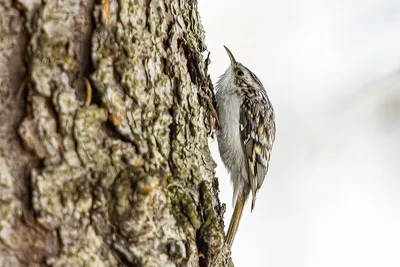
(231, 57)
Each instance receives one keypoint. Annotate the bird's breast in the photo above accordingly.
(228, 135)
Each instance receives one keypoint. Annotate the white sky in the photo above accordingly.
(331, 197)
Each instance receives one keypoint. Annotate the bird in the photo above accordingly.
(245, 134)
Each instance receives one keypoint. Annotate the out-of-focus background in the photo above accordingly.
(332, 71)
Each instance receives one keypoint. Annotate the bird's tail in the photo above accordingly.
(235, 220)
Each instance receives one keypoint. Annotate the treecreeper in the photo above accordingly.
(245, 135)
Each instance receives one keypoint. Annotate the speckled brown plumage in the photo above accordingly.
(246, 134)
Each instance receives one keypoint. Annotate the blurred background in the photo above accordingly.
(332, 72)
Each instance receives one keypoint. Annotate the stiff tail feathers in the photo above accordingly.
(236, 216)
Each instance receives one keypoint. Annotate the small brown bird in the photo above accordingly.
(245, 136)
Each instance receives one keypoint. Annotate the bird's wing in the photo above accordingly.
(257, 141)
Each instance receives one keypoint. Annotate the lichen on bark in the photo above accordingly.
(128, 178)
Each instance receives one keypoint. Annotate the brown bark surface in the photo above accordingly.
(104, 122)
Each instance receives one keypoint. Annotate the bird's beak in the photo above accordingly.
(231, 57)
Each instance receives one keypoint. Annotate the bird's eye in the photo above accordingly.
(240, 73)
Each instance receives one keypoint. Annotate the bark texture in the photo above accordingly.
(122, 177)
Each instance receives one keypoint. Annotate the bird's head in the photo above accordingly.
(240, 76)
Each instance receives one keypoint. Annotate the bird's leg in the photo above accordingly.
(209, 97)
(207, 93)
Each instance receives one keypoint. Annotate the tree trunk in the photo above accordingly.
(104, 121)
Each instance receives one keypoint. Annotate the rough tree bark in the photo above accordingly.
(123, 177)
